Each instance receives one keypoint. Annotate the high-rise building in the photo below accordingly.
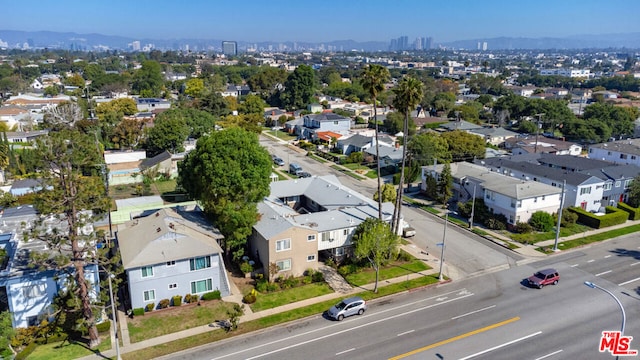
(230, 48)
(427, 43)
(135, 45)
(417, 44)
(484, 46)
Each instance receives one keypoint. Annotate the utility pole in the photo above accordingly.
(537, 131)
(555, 245)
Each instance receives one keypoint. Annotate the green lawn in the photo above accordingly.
(569, 244)
(161, 322)
(535, 237)
(67, 350)
(281, 135)
(317, 158)
(165, 186)
(278, 298)
(347, 172)
(396, 269)
(354, 167)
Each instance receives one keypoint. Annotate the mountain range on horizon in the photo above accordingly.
(90, 42)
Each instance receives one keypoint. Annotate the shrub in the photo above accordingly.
(522, 228)
(307, 280)
(330, 263)
(150, 307)
(347, 269)
(246, 268)
(318, 276)
(541, 221)
(261, 286)
(189, 299)
(176, 300)
(634, 213)
(271, 287)
(103, 326)
(404, 256)
(164, 303)
(212, 295)
(249, 299)
(568, 218)
(26, 351)
(138, 311)
(289, 282)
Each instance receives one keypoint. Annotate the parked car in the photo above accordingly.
(543, 278)
(347, 307)
(408, 232)
(295, 169)
(304, 174)
(278, 161)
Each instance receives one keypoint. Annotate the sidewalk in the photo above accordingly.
(127, 346)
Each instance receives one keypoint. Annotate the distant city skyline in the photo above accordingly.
(301, 21)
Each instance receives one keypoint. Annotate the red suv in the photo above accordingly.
(544, 277)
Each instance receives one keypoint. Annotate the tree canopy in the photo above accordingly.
(299, 88)
(228, 173)
(148, 81)
(373, 240)
(168, 133)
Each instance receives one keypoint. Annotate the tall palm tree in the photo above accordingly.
(373, 80)
(408, 94)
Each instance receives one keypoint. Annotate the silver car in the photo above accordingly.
(347, 307)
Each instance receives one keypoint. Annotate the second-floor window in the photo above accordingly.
(311, 237)
(147, 271)
(33, 291)
(282, 245)
(585, 190)
(200, 263)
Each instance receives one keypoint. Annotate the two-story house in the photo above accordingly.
(306, 219)
(619, 152)
(324, 122)
(516, 199)
(170, 252)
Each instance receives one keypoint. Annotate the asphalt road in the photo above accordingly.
(492, 316)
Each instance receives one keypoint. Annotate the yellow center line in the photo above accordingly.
(455, 338)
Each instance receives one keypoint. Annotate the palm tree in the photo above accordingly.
(373, 80)
(408, 94)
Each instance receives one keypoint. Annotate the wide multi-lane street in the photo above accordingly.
(488, 312)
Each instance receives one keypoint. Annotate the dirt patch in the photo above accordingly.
(244, 285)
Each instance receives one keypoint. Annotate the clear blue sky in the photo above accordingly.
(324, 20)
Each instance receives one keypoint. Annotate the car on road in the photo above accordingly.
(408, 232)
(278, 161)
(543, 278)
(347, 307)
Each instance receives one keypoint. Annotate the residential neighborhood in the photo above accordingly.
(154, 195)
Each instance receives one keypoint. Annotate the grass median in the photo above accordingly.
(569, 244)
(278, 298)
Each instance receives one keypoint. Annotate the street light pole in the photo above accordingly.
(624, 316)
(444, 237)
(114, 317)
(473, 206)
(555, 244)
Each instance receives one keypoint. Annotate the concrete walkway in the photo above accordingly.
(342, 292)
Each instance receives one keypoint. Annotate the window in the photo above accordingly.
(149, 295)
(519, 205)
(585, 190)
(608, 185)
(339, 251)
(623, 156)
(535, 199)
(171, 263)
(173, 286)
(311, 237)
(32, 321)
(200, 263)
(618, 183)
(542, 197)
(147, 271)
(33, 291)
(282, 245)
(345, 232)
(513, 203)
(326, 236)
(311, 258)
(284, 265)
(626, 183)
(201, 286)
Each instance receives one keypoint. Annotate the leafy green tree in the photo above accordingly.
(373, 80)
(127, 134)
(6, 334)
(200, 122)
(74, 80)
(148, 80)
(74, 196)
(253, 104)
(125, 106)
(408, 94)
(373, 240)
(464, 146)
(51, 91)
(228, 173)
(267, 81)
(445, 183)
(194, 87)
(428, 148)
(299, 88)
(214, 103)
(388, 194)
(394, 123)
(541, 221)
(633, 197)
(167, 133)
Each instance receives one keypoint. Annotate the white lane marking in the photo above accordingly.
(607, 256)
(628, 282)
(574, 265)
(344, 352)
(405, 333)
(635, 263)
(342, 331)
(604, 272)
(549, 355)
(500, 346)
(473, 312)
(590, 261)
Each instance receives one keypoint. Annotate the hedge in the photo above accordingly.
(150, 307)
(213, 295)
(613, 216)
(138, 311)
(26, 351)
(634, 213)
(176, 300)
(103, 326)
